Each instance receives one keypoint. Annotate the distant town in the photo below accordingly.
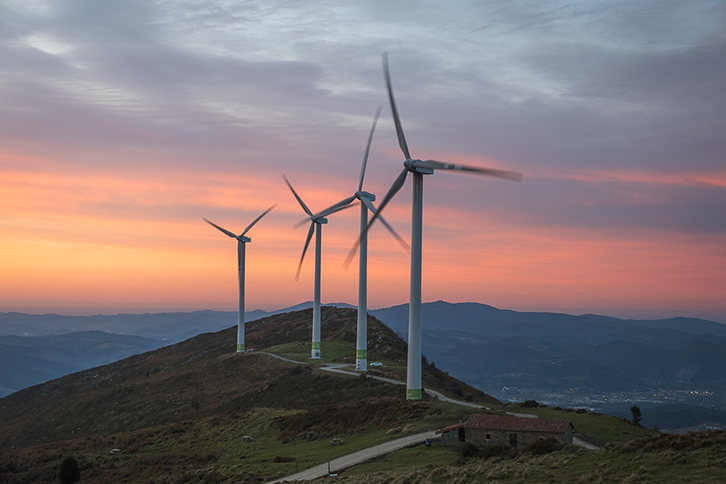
(619, 403)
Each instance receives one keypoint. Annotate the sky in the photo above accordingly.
(123, 123)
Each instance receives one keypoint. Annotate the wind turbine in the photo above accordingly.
(366, 199)
(418, 169)
(316, 225)
(241, 241)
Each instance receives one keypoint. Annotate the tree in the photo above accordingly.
(635, 411)
(69, 471)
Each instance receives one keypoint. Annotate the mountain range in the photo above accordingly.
(488, 347)
(198, 411)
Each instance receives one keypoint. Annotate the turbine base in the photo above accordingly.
(240, 348)
(361, 360)
(413, 394)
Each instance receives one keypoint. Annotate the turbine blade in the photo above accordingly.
(220, 228)
(373, 209)
(438, 165)
(368, 149)
(397, 184)
(258, 219)
(301, 223)
(305, 249)
(400, 240)
(334, 208)
(394, 110)
(340, 209)
(302, 204)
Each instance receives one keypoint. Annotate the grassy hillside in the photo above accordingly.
(185, 408)
(698, 458)
(181, 414)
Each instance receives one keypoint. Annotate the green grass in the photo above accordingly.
(659, 460)
(407, 459)
(603, 428)
(334, 352)
(330, 351)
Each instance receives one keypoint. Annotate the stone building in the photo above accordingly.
(482, 430)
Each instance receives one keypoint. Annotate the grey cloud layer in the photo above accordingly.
(588, 87)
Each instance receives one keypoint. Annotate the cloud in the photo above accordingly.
(139, 118)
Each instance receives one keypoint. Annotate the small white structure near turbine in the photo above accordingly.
(241, 241)
(418, 169)
(316, 226)
(366, 199)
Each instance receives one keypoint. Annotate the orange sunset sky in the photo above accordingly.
(121, 126)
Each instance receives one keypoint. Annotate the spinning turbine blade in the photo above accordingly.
(301, 223)
(220, 228)
(373, 209)
(334, 208)
(258, 219)
(438, 165)
(339, 209)
(394, 110)
(395, 188)
(368, 149)
(302, 204)
(397, 185)
(305, 249)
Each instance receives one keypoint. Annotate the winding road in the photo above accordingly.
(386, 448)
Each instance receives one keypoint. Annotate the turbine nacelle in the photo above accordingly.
(361, 194)
(414, 166)
(243, 239)
(319, 220)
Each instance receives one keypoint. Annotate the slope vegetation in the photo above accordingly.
(183, 410)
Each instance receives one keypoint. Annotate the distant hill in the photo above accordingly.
(167, 327)
(490, 348)
(26, 360)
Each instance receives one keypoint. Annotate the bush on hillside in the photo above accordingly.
(541, 447)
(69, 471)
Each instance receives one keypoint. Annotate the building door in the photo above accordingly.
(513, 440)
(462, 436)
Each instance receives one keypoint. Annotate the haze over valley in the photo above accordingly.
(599, 363)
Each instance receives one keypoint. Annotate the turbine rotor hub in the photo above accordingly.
(367, 195)
(411, 166)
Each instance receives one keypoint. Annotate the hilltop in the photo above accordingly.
(202, 387)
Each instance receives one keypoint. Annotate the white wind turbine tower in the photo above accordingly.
(418, 169)
(366, 199)
(316, 225)
(241, 241)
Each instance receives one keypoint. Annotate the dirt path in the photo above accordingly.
(346, 461)
(363, 455)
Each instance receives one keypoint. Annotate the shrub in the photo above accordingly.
(69, 471)
(541, 447)
(467, 450)
(493, 451)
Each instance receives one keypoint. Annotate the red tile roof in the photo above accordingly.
(521, 424)
(450, 427)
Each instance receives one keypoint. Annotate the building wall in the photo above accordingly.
(451, 438)
(478, 437)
